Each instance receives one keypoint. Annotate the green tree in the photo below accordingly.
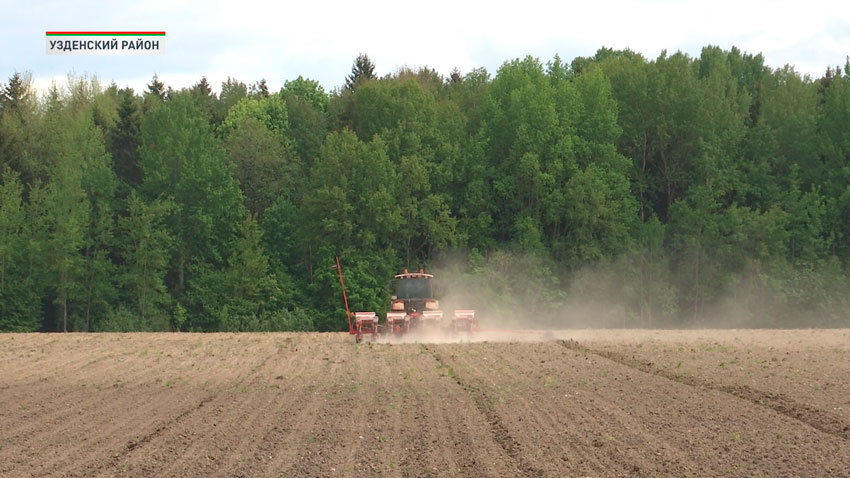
(12, 221)
(98, 275)
(76, 211)
(270, 111)
(155, 95)
(124, 140)
(469, 95)
(307, 104)
(428, 223)
(352, 200)
(522, 128)
(183, 162)
(19, 301)
(351, 211)
(362, 71)
(19, 121)
(648, 283)
(289, 249)
(15, 95)
(308, 90)
(259, 89)
(834, 139)
(255, 295)
(146, 255)
(67, 216)
(232, 91)
(264, 164)
(307, 129)
(205, 101)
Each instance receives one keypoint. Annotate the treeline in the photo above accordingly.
(680, 189)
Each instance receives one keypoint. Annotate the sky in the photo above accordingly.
(279, 41)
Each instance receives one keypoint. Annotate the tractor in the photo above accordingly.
(413, 306)
(413, 309)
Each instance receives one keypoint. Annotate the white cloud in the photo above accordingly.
(279, 41)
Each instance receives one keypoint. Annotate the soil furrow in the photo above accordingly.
(613, 404)
(559, 436)
(198, 440)
(441, 432)
(500, 433)
(818, 419)
(601, 432)
(292, 411)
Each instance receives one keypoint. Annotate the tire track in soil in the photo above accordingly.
(64, 407)
(409, 408)
(57, 417)
(43, 389)
(51, 403)
(265, 420)
(632, 424)
(601, 435)
(384, 413)
(560, 437)
(411, 444)
(54, 419)
(44, 414)
(63, 448)
(271, 448)
(498, 429)
(816, 418)
(262, 432)
(133, 445)
(194, 444)
(159, 430)
(33, 384)
(339, 439)
(192, 431)
(440, 429)
(276, 424)
(439, 440)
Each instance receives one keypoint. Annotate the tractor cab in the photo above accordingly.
(413, 293)
(414, 308)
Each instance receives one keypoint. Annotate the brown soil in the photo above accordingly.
(589, 403)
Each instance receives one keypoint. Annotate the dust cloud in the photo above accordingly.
(513, 292)
(479, 336)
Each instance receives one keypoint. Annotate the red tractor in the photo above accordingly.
(413, 309)
(413, 306)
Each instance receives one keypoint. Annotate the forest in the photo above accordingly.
(633, 192)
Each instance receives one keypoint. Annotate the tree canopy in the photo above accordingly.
(653, 192)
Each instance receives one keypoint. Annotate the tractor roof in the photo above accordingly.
(414, 275)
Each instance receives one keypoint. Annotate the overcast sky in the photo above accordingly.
(280, 40)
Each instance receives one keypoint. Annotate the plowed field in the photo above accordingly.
(584, 403)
